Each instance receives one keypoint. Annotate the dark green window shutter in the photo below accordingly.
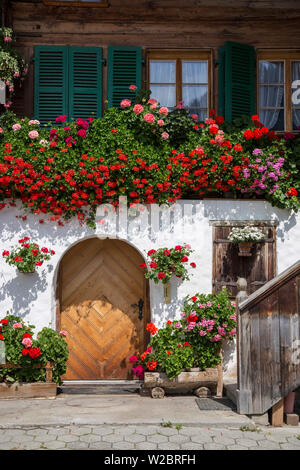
(221, 82)
(239, 80)
(124, 69)
(85, 82)
(50, 84)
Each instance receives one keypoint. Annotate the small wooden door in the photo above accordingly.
(228, 266)
(100, 285)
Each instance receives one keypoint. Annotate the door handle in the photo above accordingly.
(140, 305)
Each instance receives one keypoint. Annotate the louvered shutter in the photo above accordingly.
(124, 69)
(85, 82)
(239, 80)
(51, 80)
(221, 82)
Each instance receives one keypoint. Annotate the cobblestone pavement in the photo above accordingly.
(148, 437)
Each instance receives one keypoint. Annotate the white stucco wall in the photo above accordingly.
(32, 296)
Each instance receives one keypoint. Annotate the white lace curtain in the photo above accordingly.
(271, 78)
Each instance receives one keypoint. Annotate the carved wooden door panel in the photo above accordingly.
(100, 287)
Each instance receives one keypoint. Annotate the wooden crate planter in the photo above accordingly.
(47, 389)
(156, 383)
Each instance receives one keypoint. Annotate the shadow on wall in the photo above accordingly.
(24, 289)
(165, 311)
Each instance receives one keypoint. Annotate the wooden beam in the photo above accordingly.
(277, 413)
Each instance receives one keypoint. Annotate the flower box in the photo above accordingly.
(15, 390)
(155, 383)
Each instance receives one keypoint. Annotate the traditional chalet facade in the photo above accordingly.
(237, 56)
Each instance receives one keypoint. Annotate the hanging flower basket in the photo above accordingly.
(28, 256)
(245, 237)
(245, 248)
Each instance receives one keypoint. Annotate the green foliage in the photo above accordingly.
(193, 341)
(166, 262)
(49, 346)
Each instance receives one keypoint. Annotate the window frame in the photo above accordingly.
(179, 55)
(287, 57)
(76, 3)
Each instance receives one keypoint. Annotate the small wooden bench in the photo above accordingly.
(47, 389)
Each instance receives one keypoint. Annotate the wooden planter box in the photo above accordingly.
(202, 383)
(15, 390)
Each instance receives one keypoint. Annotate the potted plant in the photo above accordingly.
(245, 237)
(32, 367)
(194, 341)
(166, 262)
(27, 256)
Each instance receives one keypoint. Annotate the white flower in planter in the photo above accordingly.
(246, 234)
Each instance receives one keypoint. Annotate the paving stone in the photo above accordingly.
(179, 439)
(293, 440)
(58, 431)
(246, 442)
(55, 445)
(191, 431)
(226, 441)
(169, 446)
(123, 445)
(32, 445)
(146, 446)
(276, 438)
(157, 438)
(288, 446)
(255, 436)
(191, 446)
(213, 446)
(201, 438)
(148, 430)
(236, 447)
(18, 435)
(68, 438)
(5, 438)
(79, 445)
(135, 438)
(90, 438)
(125, 429)
(168, 431)
(100, 445)
(113, 438)
(102, 431)
(37, 432)
(269, 445)
(80, 430)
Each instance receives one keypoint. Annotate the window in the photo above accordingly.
(279, 90)
(181, 76)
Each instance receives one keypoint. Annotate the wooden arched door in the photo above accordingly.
(100, 286)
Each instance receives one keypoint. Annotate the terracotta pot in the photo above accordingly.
(289, 402)
(245, 248)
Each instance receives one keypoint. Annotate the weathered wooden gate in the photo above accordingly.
(269, 343)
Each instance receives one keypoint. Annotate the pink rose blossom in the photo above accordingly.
(33, 134)
(161, 122)
(177, 325)
(34, 121)
(27, 342)
(138, 108)
(63, 332)
(16, 127)
(125, 103)
(149, 117)
(202, 333)
(132, 87)
(7, 39)
(164, 110)
(165, 135)
(1, 130)
(17, 325)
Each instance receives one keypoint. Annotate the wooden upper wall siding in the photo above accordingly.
(156, 24)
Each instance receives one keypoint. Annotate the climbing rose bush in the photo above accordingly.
(166, 262)
(195, 340)
(22, 349)
(69, 168)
